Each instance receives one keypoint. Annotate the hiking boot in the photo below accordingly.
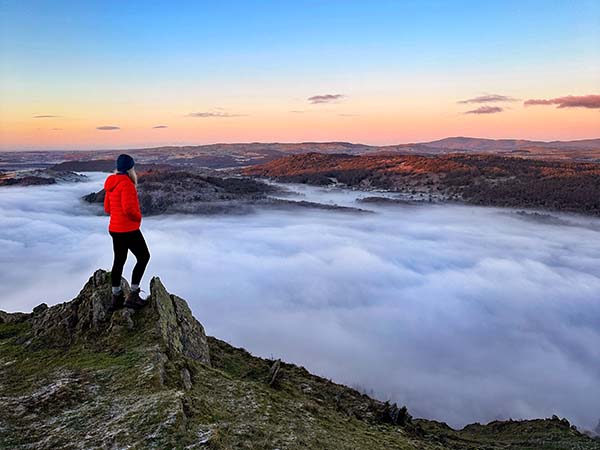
(134, 300)
(116, 301)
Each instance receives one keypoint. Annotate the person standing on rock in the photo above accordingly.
(121, 203)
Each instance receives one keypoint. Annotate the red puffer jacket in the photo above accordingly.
(121, 202)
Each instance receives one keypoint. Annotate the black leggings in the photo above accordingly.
(122, 242)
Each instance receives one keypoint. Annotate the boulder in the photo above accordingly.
(13, 317)
(179, 331)
(167, 320)
(82, 319)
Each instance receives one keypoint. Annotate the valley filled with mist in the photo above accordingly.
(463, 313)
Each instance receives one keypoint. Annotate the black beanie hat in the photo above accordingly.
(124, 163)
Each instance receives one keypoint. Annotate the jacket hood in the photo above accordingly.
(114, 180)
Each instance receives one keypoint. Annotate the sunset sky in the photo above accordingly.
(119, 74)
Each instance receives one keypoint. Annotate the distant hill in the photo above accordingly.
(224, 155)
(482, 179)
(477, 144)
(184, 192)
(581, 150)
(480, 144)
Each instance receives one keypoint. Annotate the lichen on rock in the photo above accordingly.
(180, 332)
(88, 320)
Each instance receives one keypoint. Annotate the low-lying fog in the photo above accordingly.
(462, 313)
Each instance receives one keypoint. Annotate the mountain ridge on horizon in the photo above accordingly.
(449, 141)
(231, 155)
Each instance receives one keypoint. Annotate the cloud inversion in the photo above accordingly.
(159, 126)
(570, 101)
(485, 110)
(45, 116)
(108, 128)
(326, 98)
(462, 313)
(489, 98)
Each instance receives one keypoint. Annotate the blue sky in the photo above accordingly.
(72, 56)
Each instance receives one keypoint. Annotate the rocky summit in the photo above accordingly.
(77, 376)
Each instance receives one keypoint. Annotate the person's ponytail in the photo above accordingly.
(132, 175)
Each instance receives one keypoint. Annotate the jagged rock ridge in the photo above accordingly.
(87, 319)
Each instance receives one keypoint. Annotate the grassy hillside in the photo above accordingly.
(75, 376)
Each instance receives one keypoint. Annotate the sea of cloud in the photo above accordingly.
(462, 313)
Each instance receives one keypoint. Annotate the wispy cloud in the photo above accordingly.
(45, 116)
(489, 98)
(56, 129)
(485, 110)
(159, 126)
(297, 111)
(570, 101)
(348, 115)
(108, 128)
(214, 114)
(326, 98)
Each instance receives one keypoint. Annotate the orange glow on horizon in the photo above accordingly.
(387, 126)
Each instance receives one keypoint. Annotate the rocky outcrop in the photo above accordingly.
(82, 319)
(179, 331)
(274, 373)
(122, 374)
(87, 320)
(12, 318)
